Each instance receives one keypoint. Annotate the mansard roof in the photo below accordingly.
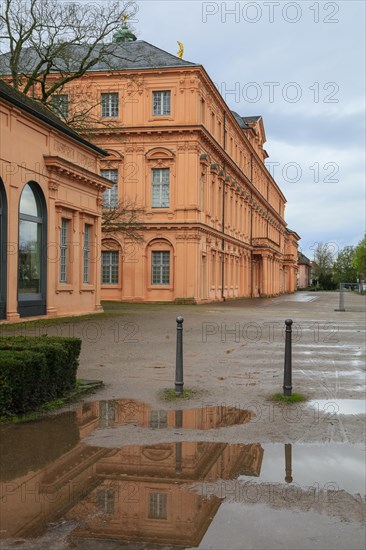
(121, 56)
(244, 121)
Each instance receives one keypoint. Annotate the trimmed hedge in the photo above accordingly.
(35, 370)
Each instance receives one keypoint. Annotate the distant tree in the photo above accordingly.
(39, 37)
(343, 268)
(359, 260)
(323, 265)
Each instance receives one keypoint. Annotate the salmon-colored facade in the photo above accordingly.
(212, 217)
(51, 197)
(213, 224)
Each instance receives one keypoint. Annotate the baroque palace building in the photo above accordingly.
(212, 217)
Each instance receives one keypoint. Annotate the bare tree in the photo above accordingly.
(50, 43)
(123, 220)
(40, 36)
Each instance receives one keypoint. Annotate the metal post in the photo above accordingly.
(341, 298)
(179, 358)
(287, 377)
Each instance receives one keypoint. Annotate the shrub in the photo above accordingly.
(20, 388)
(57, 360)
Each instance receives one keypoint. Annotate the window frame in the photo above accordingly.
(161, 112)
(160, 185)
(160, 265)
(158, 506)
(107, 107)
(34, 304)
(110, 268)
(109, 201)
(86, 253)
(64, 251)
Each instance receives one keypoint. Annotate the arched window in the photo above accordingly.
(3, 254)
(32, 259)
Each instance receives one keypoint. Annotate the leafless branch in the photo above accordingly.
(41, 36)
(123, 220)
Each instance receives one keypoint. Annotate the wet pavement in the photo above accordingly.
(60, 491)
(227, 469)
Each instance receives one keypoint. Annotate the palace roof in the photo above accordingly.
(114, 56)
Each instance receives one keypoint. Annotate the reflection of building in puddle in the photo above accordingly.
(106, 414)
(133, 492)
(166, 493)
(143, 492)
(44, 467)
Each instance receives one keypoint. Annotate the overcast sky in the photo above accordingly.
(301, 66)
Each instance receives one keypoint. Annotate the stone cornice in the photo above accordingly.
(83, 176)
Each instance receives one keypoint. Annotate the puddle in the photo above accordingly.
(337, 466)
(171, 493)
(55, 487)
(122, 412)
(339, 406)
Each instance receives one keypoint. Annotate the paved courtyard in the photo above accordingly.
(264, 475)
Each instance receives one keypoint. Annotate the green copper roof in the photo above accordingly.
(124, 35)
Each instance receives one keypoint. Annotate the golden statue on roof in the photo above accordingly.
(125, 16)
(181, 50)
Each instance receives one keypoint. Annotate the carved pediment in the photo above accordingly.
(160, 153)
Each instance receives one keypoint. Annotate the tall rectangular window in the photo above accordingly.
(161, 268)
(110, 196)
(110, 267)
(60, 105)
(64, 237)
(161, 103)
(86, 253)
(110, 105)
(160, 187)
(203, 111)
(158, 506)
(106, 500)
(158, 419)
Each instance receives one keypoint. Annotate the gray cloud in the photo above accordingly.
(325, 59)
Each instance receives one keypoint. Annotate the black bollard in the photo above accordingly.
(287, 376)
(179, 358)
